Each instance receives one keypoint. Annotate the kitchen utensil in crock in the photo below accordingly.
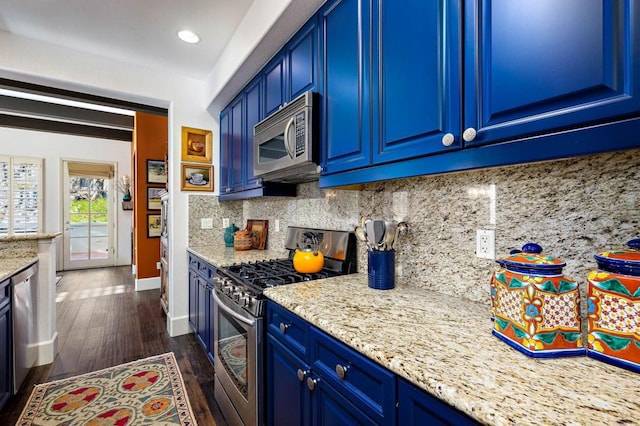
(535, 308)
(401, 229)
(378, 233)
(370, 233)
(613, 307)
(389, 234)
(307, 259)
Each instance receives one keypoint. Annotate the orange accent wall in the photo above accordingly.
(150, 136)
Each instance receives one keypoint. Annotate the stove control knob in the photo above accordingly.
(245, 299)
(227, 288)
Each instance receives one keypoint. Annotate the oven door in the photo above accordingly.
(238, 361)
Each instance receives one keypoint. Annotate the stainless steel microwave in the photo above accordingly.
(285, 143)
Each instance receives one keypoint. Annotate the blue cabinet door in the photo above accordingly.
(329, 407)
(6, 356)
(225, 152)
(288, 402)
(541, 66)
(302, 60)
(237, 140)
(416, 90)
(346, 77)
(417, 407)
(253, 114)
(202, 332)
(274, 87)
(193, 300)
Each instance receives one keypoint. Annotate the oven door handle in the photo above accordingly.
(225, 308)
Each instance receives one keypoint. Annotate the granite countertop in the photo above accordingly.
(21, 237)
(10, 266)
(443, 344)
(219, 255)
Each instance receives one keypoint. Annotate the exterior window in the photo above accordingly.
(20, 195)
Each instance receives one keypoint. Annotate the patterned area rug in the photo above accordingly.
(145, 392)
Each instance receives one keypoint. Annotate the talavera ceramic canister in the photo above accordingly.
(535, 308)
(613, 307)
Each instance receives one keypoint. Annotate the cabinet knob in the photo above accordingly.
(341, 370)
(302, 374)
(448, 139)
(469, 134)
(227, 189)
(311, 383)
(283, 327)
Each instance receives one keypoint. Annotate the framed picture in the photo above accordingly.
(154, 227)
(258, 230)
(156, 171)
(153, 198)
(197, 178)
(196, 145)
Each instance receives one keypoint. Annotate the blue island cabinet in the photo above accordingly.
(6, 343)
(415, 88)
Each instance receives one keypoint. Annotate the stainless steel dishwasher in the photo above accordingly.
(24, 286)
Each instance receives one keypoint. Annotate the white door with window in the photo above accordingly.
(88, 215)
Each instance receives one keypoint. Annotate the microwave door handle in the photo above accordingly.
(287, 144)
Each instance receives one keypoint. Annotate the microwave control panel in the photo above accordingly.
(300, 133)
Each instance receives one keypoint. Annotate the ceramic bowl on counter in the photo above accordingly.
(535, 308)
(613, 307)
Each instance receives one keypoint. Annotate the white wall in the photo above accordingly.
(54, 148)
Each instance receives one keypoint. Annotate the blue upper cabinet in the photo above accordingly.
(237, 156)
(302, 60)
(225, 152)
(416, 90)
(274, 78)
(346, 77)
(540, 66)
(253, 114)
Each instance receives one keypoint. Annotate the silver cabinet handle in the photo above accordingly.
(302, 374)
(311, 383)
(448, 139)
(283, 327)
(341, 370)
(469, 134)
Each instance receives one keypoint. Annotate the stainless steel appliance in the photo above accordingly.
(23, 289)
(286, 143)
(239, 312)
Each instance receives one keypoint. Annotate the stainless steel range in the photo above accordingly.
(239, 315)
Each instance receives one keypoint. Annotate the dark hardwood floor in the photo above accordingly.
(102, 321)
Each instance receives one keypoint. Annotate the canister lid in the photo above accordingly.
(531, 260)
(622, 261)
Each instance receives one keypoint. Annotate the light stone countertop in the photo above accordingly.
(9, 266)
(444, 345)
(219, 255)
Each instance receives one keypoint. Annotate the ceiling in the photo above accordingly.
(138, 31)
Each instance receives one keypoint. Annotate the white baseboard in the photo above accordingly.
(178, 326)
(143, 284)
(47, 350)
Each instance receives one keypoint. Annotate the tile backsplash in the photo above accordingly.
(573, 208)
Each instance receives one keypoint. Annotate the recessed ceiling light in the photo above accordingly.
(188, 36)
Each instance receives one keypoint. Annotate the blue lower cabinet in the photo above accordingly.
(288, 400)
(201, 318)
(417, 407)
(332, 384)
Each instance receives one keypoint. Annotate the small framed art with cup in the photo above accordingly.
(197, 178)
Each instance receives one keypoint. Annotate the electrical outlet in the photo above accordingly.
(206, 223)
(158, 266)
(276, 225)
(225, 222)
(486, 243)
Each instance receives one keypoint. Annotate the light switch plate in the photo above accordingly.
(206, 223)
